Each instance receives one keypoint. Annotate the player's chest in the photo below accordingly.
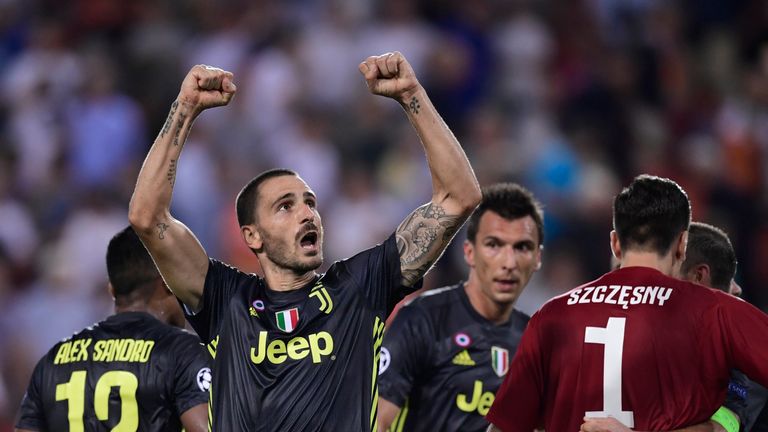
(474, 358)
(263, 332)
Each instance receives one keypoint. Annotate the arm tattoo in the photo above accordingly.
(172, 172)
(414, 105)
(169, 119)
(161, 227)
(422, 238)
(179, 127)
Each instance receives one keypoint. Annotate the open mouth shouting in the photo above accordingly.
(309, 239)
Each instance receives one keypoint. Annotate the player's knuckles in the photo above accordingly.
(392, 63)
(381, 64)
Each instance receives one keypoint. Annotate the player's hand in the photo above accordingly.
(206, 87)
(390, 75)
(607, 424)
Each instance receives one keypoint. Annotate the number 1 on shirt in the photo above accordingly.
(612, 336)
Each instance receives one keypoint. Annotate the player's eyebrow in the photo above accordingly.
(283, 197)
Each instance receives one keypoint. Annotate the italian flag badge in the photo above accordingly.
(287, 319)
(499, 360)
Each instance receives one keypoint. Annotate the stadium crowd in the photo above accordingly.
(571, 99)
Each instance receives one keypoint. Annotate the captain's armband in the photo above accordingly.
(727, 419)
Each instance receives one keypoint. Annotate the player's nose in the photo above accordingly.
(307, 213)
(508, 258)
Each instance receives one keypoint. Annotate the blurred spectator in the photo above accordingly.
(106, 128)
(569, 98)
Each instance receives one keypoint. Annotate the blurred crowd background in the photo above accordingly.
(570, 98)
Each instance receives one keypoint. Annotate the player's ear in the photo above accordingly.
(539, 253)
(252, 236)
(615, 245)
(681, 246)
(469, 253)
(111, 290)
(702, 274)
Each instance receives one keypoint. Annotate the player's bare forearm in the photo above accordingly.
(387, 413)
(613, 425)
(151, 199)
(178, 255)
(195, 419)
(454, 185)
(425, 233)
(709, 426)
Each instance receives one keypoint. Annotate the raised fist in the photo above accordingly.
(390, 75)
(206, 87)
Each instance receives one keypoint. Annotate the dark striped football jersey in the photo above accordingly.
(127, 373)
(442, 362)
(302, 360)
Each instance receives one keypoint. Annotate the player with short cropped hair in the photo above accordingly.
(711, 261)
(636, 344)
(446, 353)
(136, 370)
(296, 350)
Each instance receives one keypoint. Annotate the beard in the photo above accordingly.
(279, 252)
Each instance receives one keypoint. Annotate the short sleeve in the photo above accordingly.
(221, 282)
(518, 403)
(377, 272)
(406, 354)
(193, 374)
(31, 414)
(743, 334)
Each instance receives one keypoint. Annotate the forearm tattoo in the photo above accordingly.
(422, 238)
(179, 127)
(161, 227)
(414, 105)
(172, 172)
(169, 119)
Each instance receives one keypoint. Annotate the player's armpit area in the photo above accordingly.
(422, 237)
(195, 419)
(387, 413)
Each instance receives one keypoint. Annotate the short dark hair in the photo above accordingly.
(510, 201)
(711, 246)
(245, 203)
(650, 213)
(129, 265)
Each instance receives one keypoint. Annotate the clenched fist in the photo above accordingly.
(206, 87)
(390, 75)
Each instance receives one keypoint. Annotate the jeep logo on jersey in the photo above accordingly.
(315, 346)
(500, 360)
(287, 319)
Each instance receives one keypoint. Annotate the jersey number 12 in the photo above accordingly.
(74, 392)
(612, 336)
